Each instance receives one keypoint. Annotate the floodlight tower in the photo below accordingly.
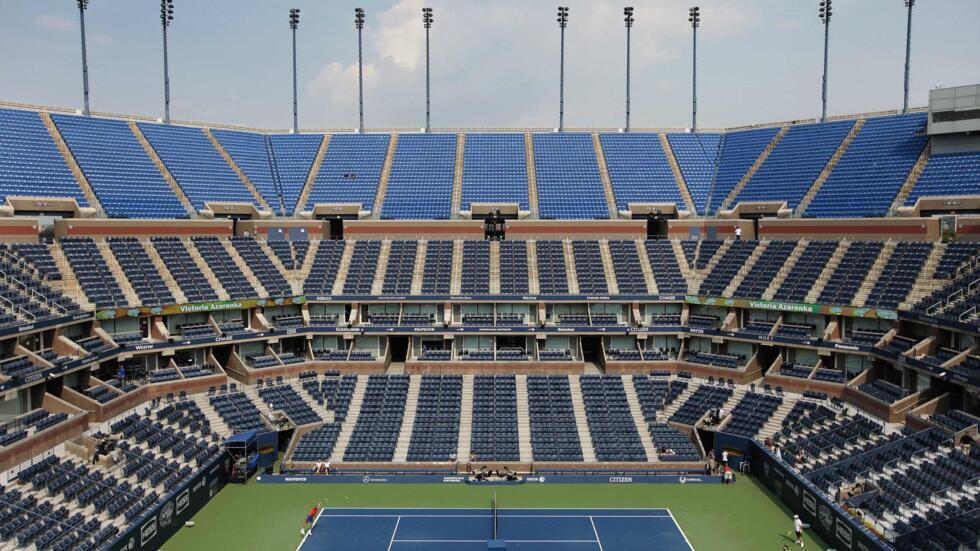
(694, 17)
(166, 16)
(294, 24)
(909, 4)
(628, 13)
(562, 23)
(359, 24)
(82, 6)
(825, 13)
(427, 23)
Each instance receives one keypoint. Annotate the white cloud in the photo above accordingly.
(54, 23)
(400, 35)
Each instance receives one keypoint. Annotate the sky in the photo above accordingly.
(493, 63)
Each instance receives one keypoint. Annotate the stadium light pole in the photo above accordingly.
(359, 24)
(628, 13)
(694, 17)
(562, 23)
(427, 22)
(166, 16)
(294, 24)
(82, 6)
(909, 4)
(825, 13)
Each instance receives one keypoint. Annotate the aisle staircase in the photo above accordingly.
(523, 420)
(581, 421)
(353, 413)
(465, 419)
(408, 419)
(636, 411)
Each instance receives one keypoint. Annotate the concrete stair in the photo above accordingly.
(745, 269)
(523, 420)
(532, 179)
(641, 250)
(217, 423)
(533, 284)
(861, 296)
(728, 202)
(581, 421)
(353, 412)
(672, 407)
(678, 175)
(608, 268)
(338, 284)
(825, 173)
(379, 275)
(69, 283)
(379, 199)
(912, 178)
(700, 275)
(238, 171)
(925, 284)
(73, 166)
(828, 271)
(303, 272)
(118, 273)
(465, 419)
(784, 272)
(495, 267)
(604, 175)
(456, 276)
(419, 272)
(408, 420)
(244, 268)
(570, 267)
(636, 410)
(304, 195)
(457, 196)
(252, 392)
(775, 422)
(290, 275)
(165, 274)
(322, 411)
(164, 171)
(195, 255)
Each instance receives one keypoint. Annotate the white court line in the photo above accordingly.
(510, 508)
(393, 532)
(315, 522)
(687, 541)
(484, 541)
(345, 515)
(596, 532)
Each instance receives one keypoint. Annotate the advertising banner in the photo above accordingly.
(804, 308)
(196, 307)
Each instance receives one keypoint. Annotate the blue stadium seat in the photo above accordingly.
(421, 182)
(494, 170)
(568, 180)
(30, 164)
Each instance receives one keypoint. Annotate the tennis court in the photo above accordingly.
(470, 530)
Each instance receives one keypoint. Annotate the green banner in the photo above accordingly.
(849, 311)
(196, 307)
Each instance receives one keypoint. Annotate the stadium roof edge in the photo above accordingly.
(204, 124)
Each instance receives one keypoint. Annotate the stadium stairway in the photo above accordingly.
(117, 272)
(457, 195)
(607, 267)
(326, 414)
(342, 269)
(641, 250)
(69, 283)
(294, 283)
(167, 176)
(379, 275)
(573, 288)
(253, 394)
(533, 284)
(825, 173)
(465, 419)
(69, 158)
(304, 195)
(925, 284)
(495, 267)
(456, 276)
(205, 269)
(581, 422)
(861, 296)
(238, 171)
(827, 272)
(775, 422)
(418, 275)
(911, 179)
(607, 188)
(379, 199)
(700, 275)
(161, 268)
(532, 178)
(681, 398)
(682, 263)
(304, 271)
(745, 269)
(727, 203)
(783, 272)
(353, 412)
(244, 268)
(643, 428)
(678, 175)
(523, 419)
(217, 423)
(408, 419)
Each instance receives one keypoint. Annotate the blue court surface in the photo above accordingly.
(470, 530)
